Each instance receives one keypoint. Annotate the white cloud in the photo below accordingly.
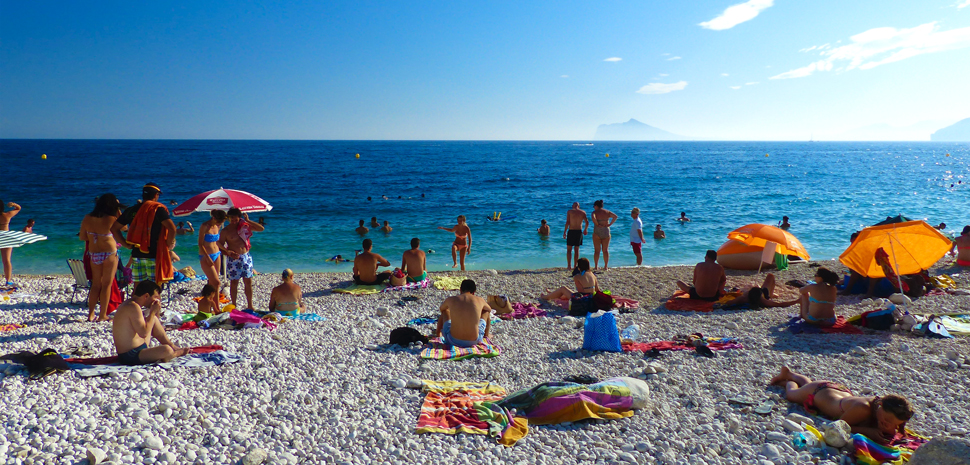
(751, 83)
(673, 58)
(735, 87)
(883, 45)
(661, 88)
(613, 59)
(564, 76)
(963, 5)
(725, 74)
(737, 14)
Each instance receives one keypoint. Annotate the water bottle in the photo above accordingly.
(803, 440)
(631, 333)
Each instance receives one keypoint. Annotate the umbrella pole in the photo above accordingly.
(899, 279)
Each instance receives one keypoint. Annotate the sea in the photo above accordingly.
(319, 190)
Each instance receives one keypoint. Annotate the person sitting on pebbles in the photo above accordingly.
(818, 300)
(759, 297)
(287, 298)
(878, 418)
(132, 331)
(209, 303)
(466, 318)
(584, 280)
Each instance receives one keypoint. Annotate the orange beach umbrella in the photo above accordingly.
(759, 235)
(913, 246)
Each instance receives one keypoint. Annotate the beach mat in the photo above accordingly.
(114, 358)
(193, 360)
(713, 343)
(423, 284)
(11, 327)
(307, 317)
(797, 326)
(452, 407)
(522, 311)
(449, 283)
(441, 351)
(360, 289)
(681, 302)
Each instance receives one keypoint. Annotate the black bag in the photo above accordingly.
(404, 336)
(580, 306)
(39, 365)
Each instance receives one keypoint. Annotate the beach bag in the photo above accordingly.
(601, 333)
(581, 305)
(404, 336)
(603, 300)
(878, 319)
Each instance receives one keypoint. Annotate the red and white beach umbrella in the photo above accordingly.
(222, 199)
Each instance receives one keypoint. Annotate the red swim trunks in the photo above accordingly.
(636, 247)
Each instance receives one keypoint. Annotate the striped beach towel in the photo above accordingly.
(452, 407)
(442, 351)
(559, 402)
(423, 284)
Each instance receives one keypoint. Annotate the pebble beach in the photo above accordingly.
(335, 392)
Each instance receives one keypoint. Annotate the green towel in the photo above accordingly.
(781, 261)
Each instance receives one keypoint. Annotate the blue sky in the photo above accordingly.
(755, 70)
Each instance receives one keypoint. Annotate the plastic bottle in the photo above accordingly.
(803, 440)
(631, 332)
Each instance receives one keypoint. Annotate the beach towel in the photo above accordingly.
(140, 229)
(11, 327)
(360, 289)
(560, 401)
(522, 311)
(423, 320)
(407, 287)
(713, 343)
(441, 351)
(114, 358)
(682, 302)
(956, 324)
(194, 360)
(899, 451)
(308, 317)
(797, 326)
(452, 407)
(449, 283)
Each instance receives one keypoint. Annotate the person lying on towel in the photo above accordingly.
(465, 318)
(132, 331)
(878, 418)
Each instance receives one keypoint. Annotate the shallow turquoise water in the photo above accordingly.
(319, 190)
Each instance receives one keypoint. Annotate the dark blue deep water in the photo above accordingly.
(319, 189)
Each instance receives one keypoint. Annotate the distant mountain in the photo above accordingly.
(885, 132)
(958, 132)
(633, 130)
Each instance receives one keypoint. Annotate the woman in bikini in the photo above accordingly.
(463, 242)
(602, 220)
(878, 418)
(585, 281)
(818, 300)
(287, 298)
(961, 246)
(7, 253)
(758, 296)
(102, 250)
(209, 254)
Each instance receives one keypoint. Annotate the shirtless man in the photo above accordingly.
(659, 233)
(366, 264)
(463, 241)
(362, 230)
(5, 254)
(387, 227)
(544, 228)
(183, 230)
(374, 223)
(465, 319)
(234, 243)
(415, 263)
(132, 331)
(576, 225)
(683, 218)
(709, 279)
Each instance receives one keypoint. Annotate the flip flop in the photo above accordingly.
(765, 407)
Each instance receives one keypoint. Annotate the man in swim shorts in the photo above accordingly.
(636, 234)
(132, 331)
(234, 243)
(577, 223)
(415, 262)
(709, 279)
(366, 264)
(465, 319)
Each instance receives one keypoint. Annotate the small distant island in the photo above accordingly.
(634, 130)
(957, 132)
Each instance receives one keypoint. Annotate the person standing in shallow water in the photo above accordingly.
(7, 253)
(577, 223)
(544, 228)
(636, 235)
(602, 220)
(462, 246)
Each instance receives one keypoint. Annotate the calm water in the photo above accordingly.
(319, 190)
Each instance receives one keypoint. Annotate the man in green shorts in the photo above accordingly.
(415, 262)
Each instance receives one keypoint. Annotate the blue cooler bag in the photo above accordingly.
(601, 333)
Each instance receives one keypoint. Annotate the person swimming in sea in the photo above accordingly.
(683, 218)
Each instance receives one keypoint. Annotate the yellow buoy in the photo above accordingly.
(358, 156)
(766, 155)
(607, 155)
(44, 156)
(948, 154)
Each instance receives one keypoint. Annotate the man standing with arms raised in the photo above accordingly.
(234, 243)
(576, 225)
(151, 236)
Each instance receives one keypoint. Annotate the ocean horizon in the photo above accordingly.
(319, 191)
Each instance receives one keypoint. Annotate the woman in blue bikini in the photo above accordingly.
(818, 300)
(102, 251)
(208, 250)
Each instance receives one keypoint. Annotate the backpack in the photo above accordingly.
(404, 336)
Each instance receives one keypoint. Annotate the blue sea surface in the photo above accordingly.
(319, 189)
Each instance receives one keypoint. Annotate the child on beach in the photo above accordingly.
(210, 300)
(132, 330)
(878, 418)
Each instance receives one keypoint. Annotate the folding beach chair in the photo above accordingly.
(80, 279)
